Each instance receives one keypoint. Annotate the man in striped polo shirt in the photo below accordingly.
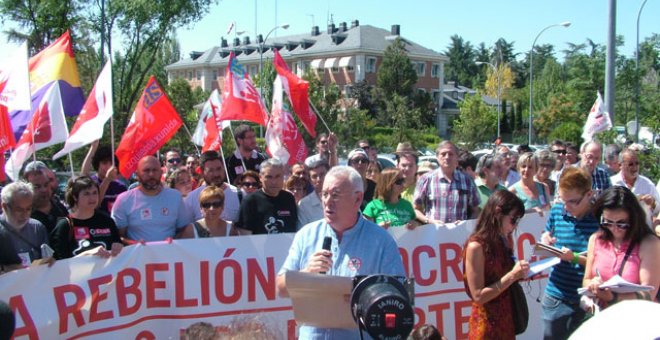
(569, 226)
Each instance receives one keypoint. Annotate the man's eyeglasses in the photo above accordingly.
(561, 152)
(576, 201)
(333, 196)
(250, 184)
(214, 204)
(174, 160)
(608, 224)
(399, 181)
(359, 161)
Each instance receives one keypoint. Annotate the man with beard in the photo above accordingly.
(21, 237)
(45, 207)
(246, 156)
(213, 171)
(150, 212)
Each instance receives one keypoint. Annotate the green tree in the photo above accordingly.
(476, 122)
(558, 111)
(396, 74)
(461, 67)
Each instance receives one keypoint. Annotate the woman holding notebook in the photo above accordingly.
(624, 245)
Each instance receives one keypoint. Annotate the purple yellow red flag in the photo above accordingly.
(55, 63)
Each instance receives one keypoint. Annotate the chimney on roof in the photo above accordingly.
(237, 42)
(355, 23)
(331, 28)
(396, 30)
(223, 43)
(260, 39)
(246, 40)
(342, 27)
(315, 31)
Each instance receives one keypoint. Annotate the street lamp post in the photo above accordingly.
(499, 93)
(638, 80)
(261, 50)
(531, 75)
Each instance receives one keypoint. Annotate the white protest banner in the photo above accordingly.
(156, 291)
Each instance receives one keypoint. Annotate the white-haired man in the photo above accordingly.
(359, 246)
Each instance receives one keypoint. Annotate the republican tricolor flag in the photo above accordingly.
(283, 139)
(153, 123)
(96, 112)
(208, 133)
(46, 128)
(298, 92)
(240, 99)
(54, 64)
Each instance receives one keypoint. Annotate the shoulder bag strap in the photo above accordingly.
(625, 258)
(11, 230)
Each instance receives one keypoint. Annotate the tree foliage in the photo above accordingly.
(476, 123)
(396, 74)
(461, 67)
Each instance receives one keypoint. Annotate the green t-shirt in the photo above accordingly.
(397, 214)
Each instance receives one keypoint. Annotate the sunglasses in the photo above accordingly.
(608, 224)
(561, 152)
(214, 204)
(360, 161)
(399, 181)
(250, 184)
(174, 160)
(323, 142)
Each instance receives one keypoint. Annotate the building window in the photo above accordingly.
(215, 74)
(190, 75)
(436, 97)
(199, 75)
(334, 69)
(421, 69)
(435, 71)
(348, 91)
(421, 91)
(371, 65)
(350, 68)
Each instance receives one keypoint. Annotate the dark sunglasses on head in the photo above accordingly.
(214, 204)
(561, 152)
(608, 224)
(399, 181)
(360, 161)
(174, 160)
(250, 184)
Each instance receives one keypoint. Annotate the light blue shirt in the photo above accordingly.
(150, 218)
(364, 249)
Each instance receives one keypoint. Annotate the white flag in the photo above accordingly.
(597, 121)
(15, 81)
(276, 125)
(93, 116)
(208, 133)
(46, 128)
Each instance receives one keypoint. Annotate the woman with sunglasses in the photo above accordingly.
(490, 268)
(212, 202)
(388, 209)
(248, 182)
(624, 245)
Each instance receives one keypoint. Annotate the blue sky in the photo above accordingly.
(429, 23)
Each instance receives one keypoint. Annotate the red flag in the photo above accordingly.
(6, 132)
(240, 99)
(208, 133)
(283, 139)
(298, 92)
(153, 123)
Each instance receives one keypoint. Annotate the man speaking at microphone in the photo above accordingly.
(358, 247)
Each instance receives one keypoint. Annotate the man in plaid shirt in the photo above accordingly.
(446, 195)
(591, 154)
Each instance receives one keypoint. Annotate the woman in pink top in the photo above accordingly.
(624, 245)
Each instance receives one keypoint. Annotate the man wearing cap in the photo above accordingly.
(359, 160)
(446, 195)
(406, 161)
(326, 148)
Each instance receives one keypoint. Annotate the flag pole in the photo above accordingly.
(73, 174)
(319, 115)
(191, 137)
(231, 130)
(112, 140)
(222, 153)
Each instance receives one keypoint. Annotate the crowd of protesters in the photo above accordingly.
(606, 210)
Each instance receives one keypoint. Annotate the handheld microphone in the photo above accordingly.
(327, 242)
